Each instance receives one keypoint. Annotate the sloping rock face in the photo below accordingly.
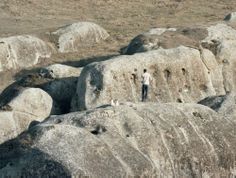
(22, 51)
(146, 41)
(159, 140)
(179, 75)
(221, 41)
(28, 105)
(208, 37)
(70, 38)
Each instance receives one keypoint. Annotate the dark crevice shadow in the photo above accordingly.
(61, 90)
(19, 158)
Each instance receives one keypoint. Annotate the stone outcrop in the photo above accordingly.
(24, 106)
(179, 75)
(71, 37)
(152, 140)
(22, 51)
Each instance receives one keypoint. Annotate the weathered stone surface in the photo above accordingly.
(63, 71)
(22, 51)
(208, 37)
(158, 140)
(166, 38)
(179, 75)
(146, 41)
(226, 56)
(218, 34)
(28, 105)
(70, 38)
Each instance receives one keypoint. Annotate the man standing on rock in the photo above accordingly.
(146, 78)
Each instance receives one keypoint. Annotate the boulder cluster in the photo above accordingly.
(58, 121)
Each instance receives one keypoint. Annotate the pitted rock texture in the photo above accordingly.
(25, 106)
(71, 37)
(22, 52)
(158, 140)
(179, 75)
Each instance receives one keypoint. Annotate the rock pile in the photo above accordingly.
(162, 140)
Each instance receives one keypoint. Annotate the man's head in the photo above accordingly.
(145, 70)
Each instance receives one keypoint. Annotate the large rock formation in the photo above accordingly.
(179, 75)
(22, 51)
(166, 38)
(24, 106)
(71, 37)
(208, 37)
(152, 140)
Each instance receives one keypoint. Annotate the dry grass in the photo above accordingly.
(121, 18)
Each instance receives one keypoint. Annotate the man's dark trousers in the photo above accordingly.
(144, 92)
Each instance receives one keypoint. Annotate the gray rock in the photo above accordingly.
(70, 38)
(22, 51)
(165, 38)
(179, 75)
(30, 104)
(152, 140)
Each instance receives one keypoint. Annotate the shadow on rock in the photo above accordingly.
(19, 159)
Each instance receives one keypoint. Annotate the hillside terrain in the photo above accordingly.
(122, 19)
(70, 88)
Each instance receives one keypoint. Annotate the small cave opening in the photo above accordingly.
(179, 100)
(184, 71)
(167, 74)
(98, 130)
